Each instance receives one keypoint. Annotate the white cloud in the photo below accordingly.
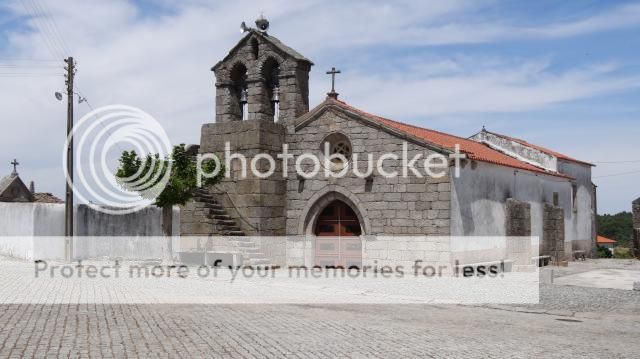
(505, 88)
(161, 63)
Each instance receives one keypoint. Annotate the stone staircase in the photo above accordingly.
(225, 225)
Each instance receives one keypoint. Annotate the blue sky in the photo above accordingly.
(565, 75)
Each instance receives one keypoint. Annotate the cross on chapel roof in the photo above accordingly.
(333, 94)
(15, 164)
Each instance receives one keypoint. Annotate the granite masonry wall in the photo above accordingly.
(553, 235)
(388, 206)
(398, 206)
(518, 218)
(257, 204)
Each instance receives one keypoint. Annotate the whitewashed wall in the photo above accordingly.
(31, 219)
(36, 231)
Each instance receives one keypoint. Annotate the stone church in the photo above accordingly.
(506, 186)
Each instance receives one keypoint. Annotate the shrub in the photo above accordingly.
(622, 253)
(602, 252)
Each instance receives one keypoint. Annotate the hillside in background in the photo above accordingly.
(617, 226)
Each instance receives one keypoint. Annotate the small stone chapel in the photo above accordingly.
(506, 187)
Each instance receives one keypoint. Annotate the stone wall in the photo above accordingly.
(145, 222)
(518, 224)
(636, 213)
(387, 206)
(257, 204)
(553, 235)
(36, 230)
(31, 219)
(518, 218)
(636, 226)
(195, 222)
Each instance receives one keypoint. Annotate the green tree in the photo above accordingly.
(617, 226)
(149, 179)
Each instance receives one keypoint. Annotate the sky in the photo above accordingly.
(560, 74)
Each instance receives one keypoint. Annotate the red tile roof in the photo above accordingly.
(472, 149)
(46, 197)
(605, 240)
(542, 149)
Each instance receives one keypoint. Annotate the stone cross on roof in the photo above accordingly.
(15, 164)
(333, 93)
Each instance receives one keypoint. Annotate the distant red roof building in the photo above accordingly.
(604, 240)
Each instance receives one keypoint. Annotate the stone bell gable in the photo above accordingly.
(261, 85)
(259, 72)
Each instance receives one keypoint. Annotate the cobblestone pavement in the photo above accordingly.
(569, 322)
(304, 331)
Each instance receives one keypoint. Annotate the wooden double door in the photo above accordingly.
(338, 241)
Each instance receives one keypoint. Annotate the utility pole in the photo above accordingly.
(68, 203)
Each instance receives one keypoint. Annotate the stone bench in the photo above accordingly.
(209, 258)
(581, 255)
(541, 261)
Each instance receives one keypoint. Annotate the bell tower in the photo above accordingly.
(262, 85)
(261, 79)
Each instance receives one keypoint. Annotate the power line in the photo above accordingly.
(627, 161)
(53, 40)
(15, 59)
(37, 23)
(85, 100)
(46, 22)
(619, 174)
(26, 74)
(17, 66)
(46, 12)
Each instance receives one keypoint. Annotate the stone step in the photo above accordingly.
(230, 228)
(227, 222)
(234, 233)
(221, 217)
(216, 212)
(205, 197)
(205, 200)
(213, 206)
(202, 194)
(244, 244)
(251, 250)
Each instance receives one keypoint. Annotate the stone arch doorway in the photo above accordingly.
(337, 236)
